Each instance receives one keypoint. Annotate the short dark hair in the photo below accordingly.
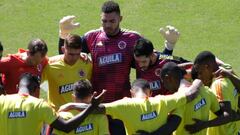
(171, 68)
(82, 89)
(73, 41)
(32, 81)
(143, 47)
(37, 45)
(110, 6)
(142, 83)
(1, 47)
(205, 57)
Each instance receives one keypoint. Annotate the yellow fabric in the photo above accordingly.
(225, 91)
(94, 124)
(198, 108)
(145, 114)
(24, 115)
(61, 78)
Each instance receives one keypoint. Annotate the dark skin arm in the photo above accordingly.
(225, 115)
(69, 125)
(166, 129)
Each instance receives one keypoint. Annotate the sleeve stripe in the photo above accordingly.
(219, 91)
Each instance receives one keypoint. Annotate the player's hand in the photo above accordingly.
(196, 127)
(66, 25)
(85, 58)
(142, 132)
(221, 72)
(96, 100)
(170, 35)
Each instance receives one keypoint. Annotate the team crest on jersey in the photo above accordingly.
(84, 128)
(158, 71)
(110, 59)
(155, 85)
(99, 43)
(81, 73)
(66, 88)
(149, 116)
(18, 114)
(122, 45)
(200, 104)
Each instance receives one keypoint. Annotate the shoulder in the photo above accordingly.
(130, 32)
(93, 32)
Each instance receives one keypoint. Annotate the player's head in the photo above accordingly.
(28, 83)
(111, 17)
(72, 48)
(82, 91)
(205, 64)
(37, 50)
(1, 50)
(140, 89)
(171, 76)
(143, 53)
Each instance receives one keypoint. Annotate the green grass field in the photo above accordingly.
(204, 24)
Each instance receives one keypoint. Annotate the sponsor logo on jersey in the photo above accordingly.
(158, 71)
(155, 85)
(18, 114)
(122, 45)
(81, 73)
(84, 128)
(110, 59)
(200, 104)
(66, 88)
(149, 116)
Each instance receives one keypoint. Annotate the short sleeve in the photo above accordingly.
(214, 102)
(220, 89)
(5, 64)
(116, 108)
(103, 125)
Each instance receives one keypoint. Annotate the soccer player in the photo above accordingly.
(142, 112)
(149, 64)
(94, 124)
(25, 61)
(206, 65)
(64, 70)
(23, 114)
(111, 48)
(2, 91)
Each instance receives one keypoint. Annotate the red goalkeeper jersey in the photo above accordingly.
(112, 60)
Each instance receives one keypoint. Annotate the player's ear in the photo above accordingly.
(121, 18)
(132, 92)
(63, 49)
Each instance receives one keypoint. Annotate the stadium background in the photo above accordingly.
(204, 25)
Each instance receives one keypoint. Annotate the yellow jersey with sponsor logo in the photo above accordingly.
(198, 108)
(94, 124)
(224, 91)
(61, 77)
(24, 115)
(144, 114)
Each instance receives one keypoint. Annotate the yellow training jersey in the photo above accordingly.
(198, 108)
(94, 124)
(144, 114)
(61, 77)
(224, 91)
(24, 115)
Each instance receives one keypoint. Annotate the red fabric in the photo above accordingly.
(12, 67)
(112, 58)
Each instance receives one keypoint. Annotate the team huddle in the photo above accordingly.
(89, 89)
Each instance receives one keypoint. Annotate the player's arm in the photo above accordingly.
(229, 74)
(166, 129)
(193, 90)
(66, 25)
(5, 65)
(223, 118)
(73, 123)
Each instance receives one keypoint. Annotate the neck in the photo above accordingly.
(115, 33)
(23, 90)
(29, 61)
(68, 62)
